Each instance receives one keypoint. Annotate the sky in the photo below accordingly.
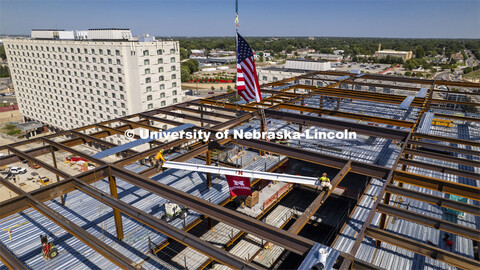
(330, 18)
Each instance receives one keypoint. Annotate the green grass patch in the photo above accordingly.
(473, 75)
(10, 129)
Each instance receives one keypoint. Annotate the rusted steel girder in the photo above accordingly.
(169, 230)
(349, 115)
(423, 249)
(435, 200)
(442, 147)
(445, 186)
(287, 240)
(438, 156)
(381, 132)
(436, 223)
(321, 197)
(51, 191)
(442, 169)
(108, 252)
(10, 260)
(445, 139)
(316, 157)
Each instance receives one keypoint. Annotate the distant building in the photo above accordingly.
(291, 69)
(405, 55)
(457, 57)
(67, 80)
(304, 52)
(328, 57)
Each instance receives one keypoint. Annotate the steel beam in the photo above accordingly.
(423, 249)
(289, 241)
(442, 169)
(316, 157)
(446, 139)
(187, 109)
(448, 158)
(436, 223)
(349, 115)
(51, 191)
(334, 124)
(315, 205)
(38, 162)
(108, 252)
(435, 200)
(445, 186)
(445, 148)
(187, 116)
(10, 260)
(169, 230)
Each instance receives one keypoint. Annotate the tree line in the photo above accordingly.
(351, 46)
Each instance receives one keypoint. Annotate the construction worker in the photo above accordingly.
(325, 182)
(159, 159)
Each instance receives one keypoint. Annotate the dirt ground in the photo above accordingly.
(9, 116)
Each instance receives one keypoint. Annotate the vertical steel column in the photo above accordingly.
(62, 198)
(209, 162)
(116, 213)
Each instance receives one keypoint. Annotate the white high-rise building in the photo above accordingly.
(68, 79)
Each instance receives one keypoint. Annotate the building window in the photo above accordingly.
(174, 84)
(117, 52)
(145, 53)
(147, 71)
(150, 106)
(161, 78)
(174, 92)
(148, 80)
(149, 97)
(163, 103)
(149, 89)
(174, 100)
(160, 69)
(173, 68)
(162, 86)
(174, 76)
(172, 60)
(162, 95)
(264, 78)
(159, 52)
(160, 60)
(172, 51)
(146, 62)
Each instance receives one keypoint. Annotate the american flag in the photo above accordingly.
(247, 81)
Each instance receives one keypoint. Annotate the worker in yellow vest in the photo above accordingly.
(325, 182)
(159, 159)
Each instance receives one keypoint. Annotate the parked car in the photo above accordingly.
(18, 170)
(44, 180)
(75, 159)
(33, 165)
(211, 92)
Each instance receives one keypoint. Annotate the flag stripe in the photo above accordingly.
(247, 81)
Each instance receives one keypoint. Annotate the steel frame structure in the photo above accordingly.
(217, 114)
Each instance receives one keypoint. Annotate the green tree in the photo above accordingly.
(3, 55)
(184, 53)
(467, 70)
(185, 73)
(192, 65)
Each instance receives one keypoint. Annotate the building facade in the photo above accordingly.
(67, 81)
(405, 55)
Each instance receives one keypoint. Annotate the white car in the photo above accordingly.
(17, 170)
